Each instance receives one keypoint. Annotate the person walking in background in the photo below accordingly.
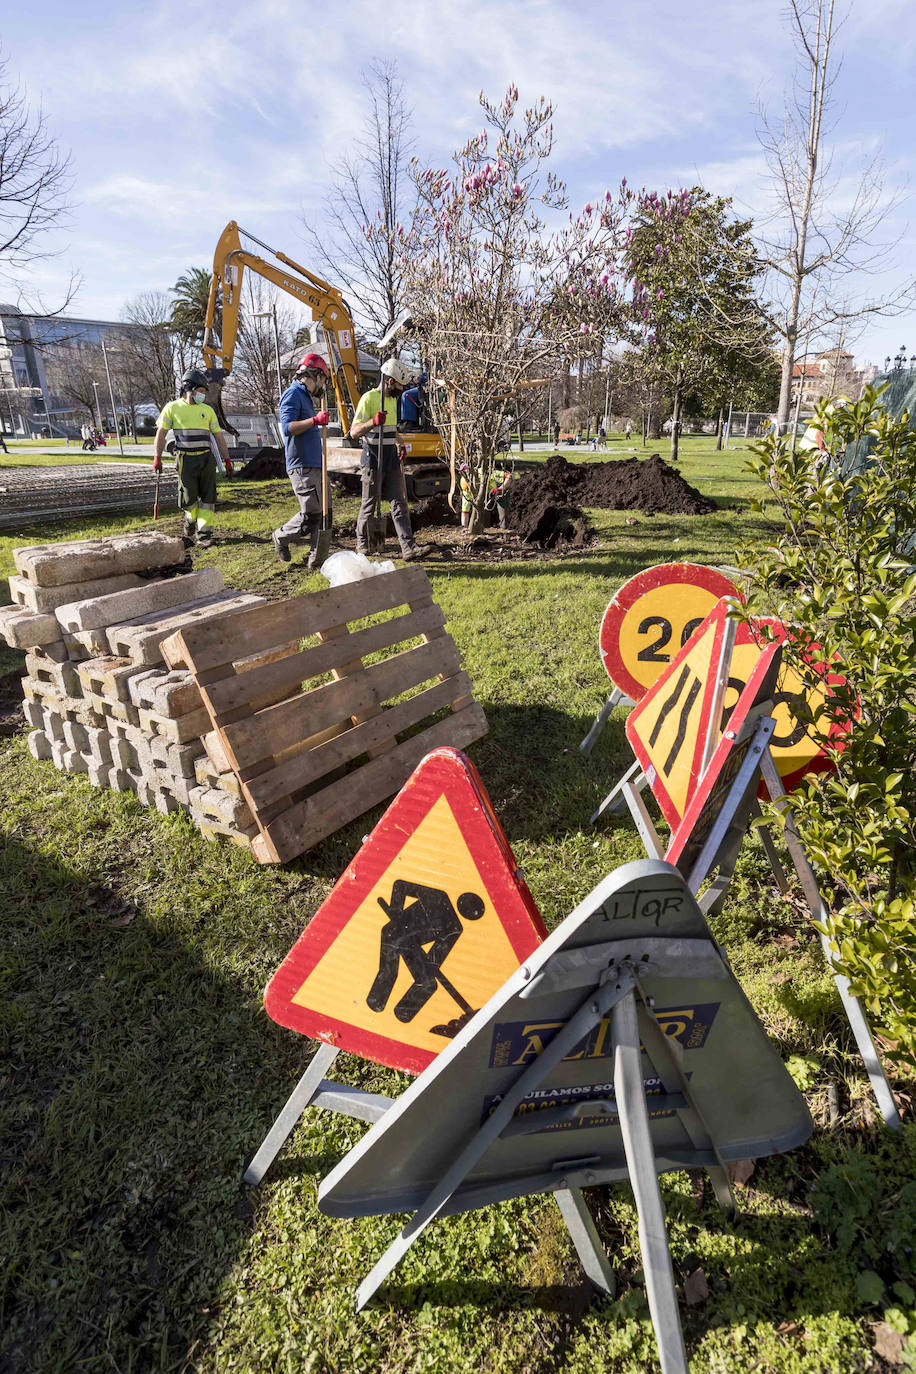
(628, 430)
(556, 434)
(302, 421)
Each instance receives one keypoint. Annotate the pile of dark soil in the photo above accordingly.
(266, 467)
(432, 511)
(649, 485)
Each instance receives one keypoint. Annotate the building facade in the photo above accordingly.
(833, 373)
(52, 372)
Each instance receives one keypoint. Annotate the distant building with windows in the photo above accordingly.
(833, 373)
(45, 360)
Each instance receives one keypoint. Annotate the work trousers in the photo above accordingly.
(306, 483)
(393, 491)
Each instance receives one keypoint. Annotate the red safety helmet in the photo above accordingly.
(313, 362)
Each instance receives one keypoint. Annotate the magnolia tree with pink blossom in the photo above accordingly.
(498, 297)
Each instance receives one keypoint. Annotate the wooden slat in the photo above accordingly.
(259, 686)
(282, 726)
(308, 822)
(308, 767)
(299, 617)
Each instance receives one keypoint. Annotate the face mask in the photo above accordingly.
(199, 397)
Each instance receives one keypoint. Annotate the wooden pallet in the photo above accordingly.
(310, 758)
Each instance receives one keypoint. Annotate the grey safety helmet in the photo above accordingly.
(192, 379)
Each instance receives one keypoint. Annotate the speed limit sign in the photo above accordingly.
(652, 617)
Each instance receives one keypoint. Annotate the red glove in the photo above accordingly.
(379, 419)
(321, 418)
(229, 467)
(157, 463)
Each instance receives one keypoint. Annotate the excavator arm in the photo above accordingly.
(327, 305)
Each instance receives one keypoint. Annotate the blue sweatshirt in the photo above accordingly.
(302, 450)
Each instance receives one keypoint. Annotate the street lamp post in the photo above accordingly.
(98, 408)
(114, 413)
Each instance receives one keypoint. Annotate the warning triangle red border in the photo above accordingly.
(443, 772)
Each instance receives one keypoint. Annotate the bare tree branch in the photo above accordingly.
(371, 194)
(810, 246)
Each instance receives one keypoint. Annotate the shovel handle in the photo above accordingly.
(324, 477)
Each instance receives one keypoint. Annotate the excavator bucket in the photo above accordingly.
(216, 376)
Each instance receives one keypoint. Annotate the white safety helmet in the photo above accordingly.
(397, 372)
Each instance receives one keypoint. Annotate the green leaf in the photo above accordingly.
(869, 1287)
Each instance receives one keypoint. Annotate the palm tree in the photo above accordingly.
(189, 310)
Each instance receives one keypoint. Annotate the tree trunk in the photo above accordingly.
(477, 519)
(675, 423)
(719, 419)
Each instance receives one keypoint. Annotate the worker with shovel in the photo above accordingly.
(375, 422)
(422, 928)
(192, 422)
(303, 425)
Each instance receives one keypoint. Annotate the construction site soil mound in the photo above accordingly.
(266, 467)
(649, 485)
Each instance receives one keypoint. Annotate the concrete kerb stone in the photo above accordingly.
(85, 560)
(179, 730)
(109, 709)
(107, 676)
(26, 630)
(101, 612)
(170, 693)
(64, 676)
(47, 599)
(215, 805)
(39, 745)
(141, 639)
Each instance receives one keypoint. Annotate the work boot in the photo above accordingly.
(189, 533)
(416, 552)
(205, 538)
(282, 548)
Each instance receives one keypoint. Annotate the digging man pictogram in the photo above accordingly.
(422, 929)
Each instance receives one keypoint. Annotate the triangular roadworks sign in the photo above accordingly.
(667, 728)
(426, 924)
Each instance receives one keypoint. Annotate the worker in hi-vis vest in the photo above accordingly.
(192, 422)
(379, 430)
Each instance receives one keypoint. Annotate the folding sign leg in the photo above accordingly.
(851, 1005)
(596, 1005)
(666, 1057)
(615, 699)
(615, 801)
(769, 848)
(584, 1235)
(306, 1089)
(630, 1094)
(642, 820)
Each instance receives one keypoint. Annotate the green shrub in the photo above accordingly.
(840, 577)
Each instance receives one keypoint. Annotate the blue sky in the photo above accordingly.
(181, 116)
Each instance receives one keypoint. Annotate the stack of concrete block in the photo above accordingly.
(91, 616)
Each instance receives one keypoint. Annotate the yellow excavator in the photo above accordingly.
(328, 308)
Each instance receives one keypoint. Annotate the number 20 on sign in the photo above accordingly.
(652, 617)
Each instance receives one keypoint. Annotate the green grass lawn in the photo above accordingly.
(141, 1072)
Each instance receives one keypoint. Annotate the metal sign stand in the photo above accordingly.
(720, 852)
(314, 1090)
(632, 1021)
(617, 698)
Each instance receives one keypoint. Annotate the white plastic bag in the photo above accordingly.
(347, 566)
